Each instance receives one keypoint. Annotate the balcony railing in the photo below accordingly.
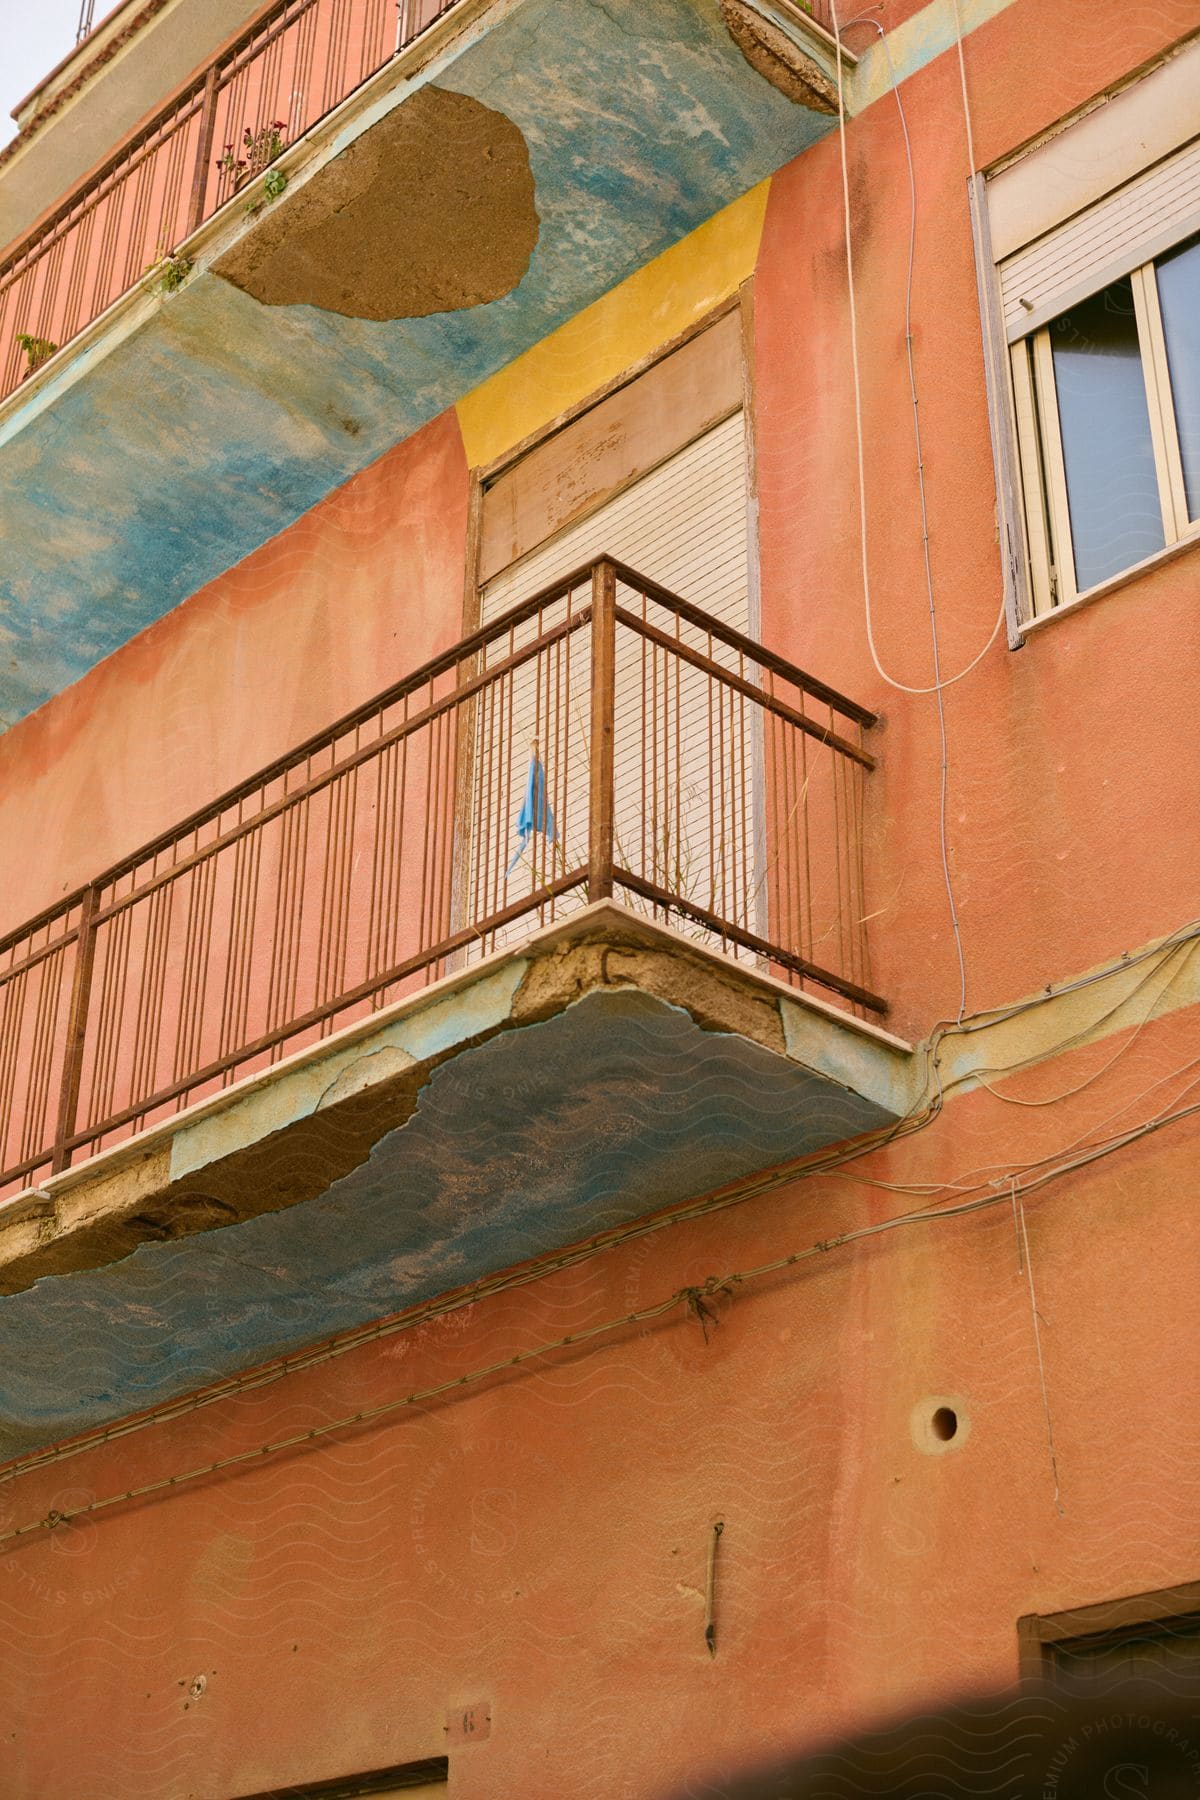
(298, 61)
(293, 65)
(674, 765)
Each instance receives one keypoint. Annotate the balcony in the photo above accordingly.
(266, 89)
(293, 63)
(532, 154)
(352, 1011)
(270, 85)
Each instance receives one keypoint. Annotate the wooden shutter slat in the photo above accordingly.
(613, 444)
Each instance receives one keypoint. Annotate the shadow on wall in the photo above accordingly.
(1119, 1742)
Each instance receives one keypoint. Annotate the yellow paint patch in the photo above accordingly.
(654, 305)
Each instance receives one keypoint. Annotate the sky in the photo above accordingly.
(32, 39)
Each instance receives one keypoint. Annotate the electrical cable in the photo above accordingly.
(939, 685)
(1122, 1050)
(987, 1016)
(962, 76)
(929, 1190)
(1037, 1343)
(919, 1114)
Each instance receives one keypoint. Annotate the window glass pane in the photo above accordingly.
(1112, 488)
(1179, 297)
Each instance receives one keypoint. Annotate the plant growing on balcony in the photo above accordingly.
(169, 273)
(37, 350)
(260, 148)
(268, 142)
(231, 165)
(274, 182)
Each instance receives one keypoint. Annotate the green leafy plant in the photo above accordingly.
(37, 350)
(259, 150)
(169, 273)
(274, 183)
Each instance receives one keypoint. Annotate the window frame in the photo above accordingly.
(1049, 542)
(1039, 1633)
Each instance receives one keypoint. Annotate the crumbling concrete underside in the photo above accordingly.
(520, 160)
(430, 210)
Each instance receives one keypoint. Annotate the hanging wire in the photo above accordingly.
(939, 683)
(1010, 1190)
(924, 1111)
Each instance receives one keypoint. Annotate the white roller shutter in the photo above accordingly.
(685, 525)
(1135, 223)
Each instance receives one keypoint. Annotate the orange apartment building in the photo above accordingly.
(598, 1054)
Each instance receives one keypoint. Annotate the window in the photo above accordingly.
(1141, 1638)
(1087, 247)
(1107, 399)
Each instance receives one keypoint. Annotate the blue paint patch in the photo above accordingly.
(539, 1137)
(219, 421)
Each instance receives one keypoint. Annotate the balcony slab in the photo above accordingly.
(608, 1070)
(179, 432)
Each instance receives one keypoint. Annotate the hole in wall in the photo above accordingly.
(944, 1423)
(939, 1423)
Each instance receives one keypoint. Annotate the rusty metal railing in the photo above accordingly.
(682, 769)
(215, 137)
(296, 62)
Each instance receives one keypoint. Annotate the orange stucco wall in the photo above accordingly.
(537, 1543)
(369, 583)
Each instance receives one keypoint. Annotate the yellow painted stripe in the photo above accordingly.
(652, 306)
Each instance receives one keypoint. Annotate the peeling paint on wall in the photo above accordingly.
(429, 211)
(773, 55)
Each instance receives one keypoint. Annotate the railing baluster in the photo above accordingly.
(601, 773)
(204, 145)
(81, 989)
(255, 66)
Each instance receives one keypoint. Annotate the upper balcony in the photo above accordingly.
(358, 235)
(108, 86)
(531, 945)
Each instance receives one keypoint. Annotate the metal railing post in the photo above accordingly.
(604, 670)
(208, 122)
(81, 990)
